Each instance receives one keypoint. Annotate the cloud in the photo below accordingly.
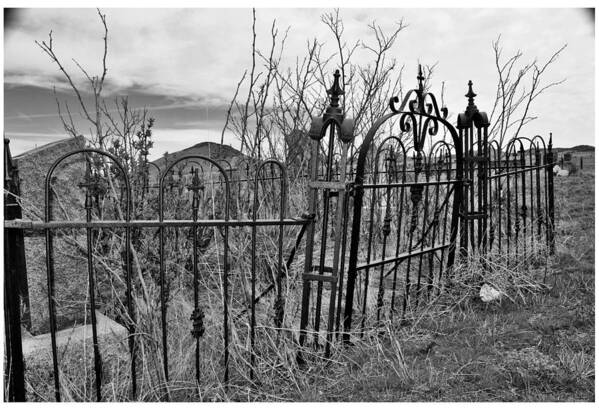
(29, 117)
(173, 60)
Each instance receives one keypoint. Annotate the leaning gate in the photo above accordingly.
(385, 223)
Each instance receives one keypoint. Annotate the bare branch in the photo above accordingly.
(48, 49)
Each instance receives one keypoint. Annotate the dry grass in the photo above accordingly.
(535, 344)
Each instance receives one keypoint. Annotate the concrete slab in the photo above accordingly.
(106, 327)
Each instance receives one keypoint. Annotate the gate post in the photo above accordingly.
(473, 131)
(14, 268)
(338, 125)
(551, 195)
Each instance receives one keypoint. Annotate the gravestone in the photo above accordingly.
(70, 267)
(298, 151)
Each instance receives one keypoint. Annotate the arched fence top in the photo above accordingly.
(422, 118)
(283, 185)
(439, 146)
(385, 144)
(226, 161)
(213, 162)
(113, 158)
(511, 147)
(440, 152)
(541, 139)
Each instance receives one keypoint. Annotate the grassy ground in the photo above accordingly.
(536, 344)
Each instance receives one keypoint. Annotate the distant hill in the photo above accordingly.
(577, 148)
(211, 150)
(225, 155)
(583, 148)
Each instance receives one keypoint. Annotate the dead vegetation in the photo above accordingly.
(534, 344)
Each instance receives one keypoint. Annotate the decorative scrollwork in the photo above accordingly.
(197, 318)
(431, 126)
(407, 123)
(392, 101)
(414, 105)
(433, 107)
(419, 103)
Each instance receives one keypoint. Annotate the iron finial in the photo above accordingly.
(471, 108)
(471, 94)
(335, 91)
(420, 78)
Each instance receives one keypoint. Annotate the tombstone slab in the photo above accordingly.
(70, 267)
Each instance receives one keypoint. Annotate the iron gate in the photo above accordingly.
(416, 184)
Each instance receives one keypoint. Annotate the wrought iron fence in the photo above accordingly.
(383, 227)
(200, 204)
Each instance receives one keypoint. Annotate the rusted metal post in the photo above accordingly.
(14, 268)
(333, 121)
(90, 185)
(551, 196)
(473, 127)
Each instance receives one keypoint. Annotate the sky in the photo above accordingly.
(184, 64)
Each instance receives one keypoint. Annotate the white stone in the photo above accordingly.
(488, 293)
